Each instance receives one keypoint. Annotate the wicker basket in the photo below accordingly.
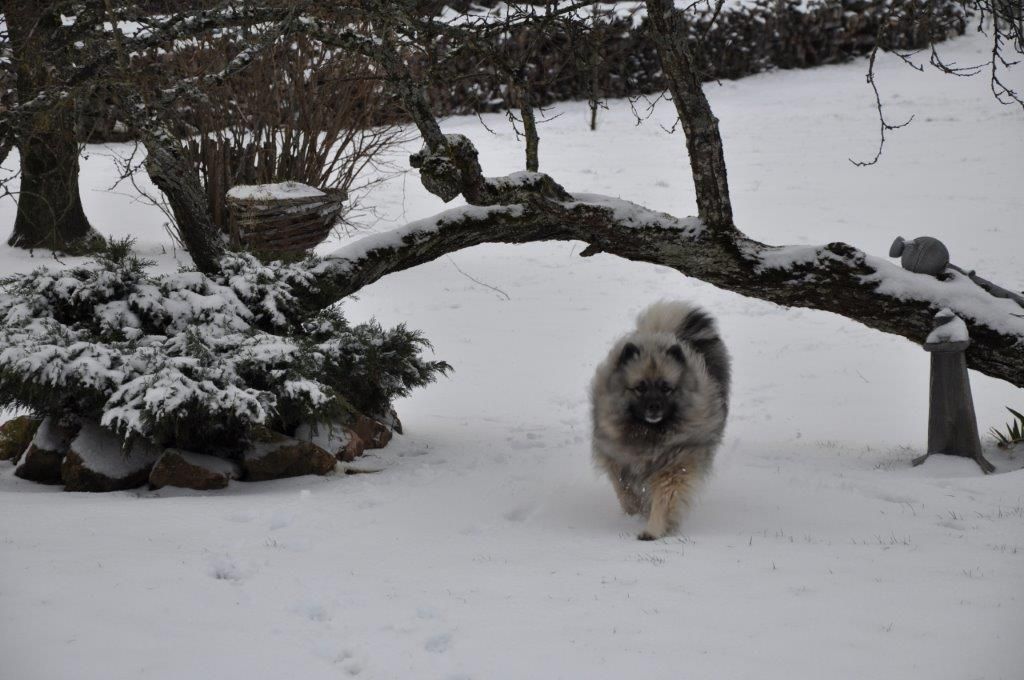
(281, 219)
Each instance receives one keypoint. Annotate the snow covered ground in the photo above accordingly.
(488, 548)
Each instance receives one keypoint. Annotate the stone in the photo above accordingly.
(333, 438)
(353, 449)
(285, 457)
(97, 461)
(375, 435)
(40, 465)
(16, 435)
(189, 470)
(390, 419)
(42, 460)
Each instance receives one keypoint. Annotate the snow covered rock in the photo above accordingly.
(375, 435)
(192, 471)
(15, 436)
(390, 419)
(97, 462)
(42, 460)
(279, 456)
(335, 439)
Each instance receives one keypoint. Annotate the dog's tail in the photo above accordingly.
(692, 325)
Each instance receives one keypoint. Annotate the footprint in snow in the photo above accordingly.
(314, 611)
(242, 516)
(518, 514)
(438, 644)
(279, 520)
(348, 662)
(224, 568)
(426, 613)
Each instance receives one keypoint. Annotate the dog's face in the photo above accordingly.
(651, 382)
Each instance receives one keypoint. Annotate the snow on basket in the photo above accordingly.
(287, 218)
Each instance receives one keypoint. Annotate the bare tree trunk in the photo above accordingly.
(174, 174)
(595, 70)
(529, 130)
(50, 213)
(703, 140)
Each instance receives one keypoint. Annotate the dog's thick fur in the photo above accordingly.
(660, 402)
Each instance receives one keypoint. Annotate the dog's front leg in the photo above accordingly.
(669, 490)
(630, 502)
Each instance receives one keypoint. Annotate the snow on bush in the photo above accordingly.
(192, 360)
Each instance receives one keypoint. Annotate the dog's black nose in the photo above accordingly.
(653, 415)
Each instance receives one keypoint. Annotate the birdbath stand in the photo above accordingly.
(952, 424)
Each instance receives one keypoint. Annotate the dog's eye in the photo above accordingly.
(667, 389)
(639, 389)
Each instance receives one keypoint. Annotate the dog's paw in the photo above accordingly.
(647, 536)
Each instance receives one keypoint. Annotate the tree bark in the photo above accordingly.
(529, 129)
(700, 126)
(174, 175)
(50, 210)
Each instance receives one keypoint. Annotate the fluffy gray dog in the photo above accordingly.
(660, 402)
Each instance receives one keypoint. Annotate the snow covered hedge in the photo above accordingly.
(190, 360)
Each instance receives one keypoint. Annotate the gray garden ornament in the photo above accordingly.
(952, 424)
(922, 255)
(928, 255)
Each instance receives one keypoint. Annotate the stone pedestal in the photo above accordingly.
(952, 424)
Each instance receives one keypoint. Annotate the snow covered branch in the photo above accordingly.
(835, 277)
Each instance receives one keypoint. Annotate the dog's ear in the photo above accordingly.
(676, 352)
(629, 352)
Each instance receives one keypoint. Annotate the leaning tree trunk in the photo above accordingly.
(50, 211)
(178, 179)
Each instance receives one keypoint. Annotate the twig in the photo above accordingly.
(485, 285)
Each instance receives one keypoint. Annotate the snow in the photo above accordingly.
(627, 213)
(953, 330)
(270, 192)
(365, 246)
(486, 547)
(48, 436)
(633, 215)
(329, 438)
(520, 178)
(958, 293)
(787, 257)
(101, 452)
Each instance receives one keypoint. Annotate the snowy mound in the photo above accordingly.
(274, 192)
